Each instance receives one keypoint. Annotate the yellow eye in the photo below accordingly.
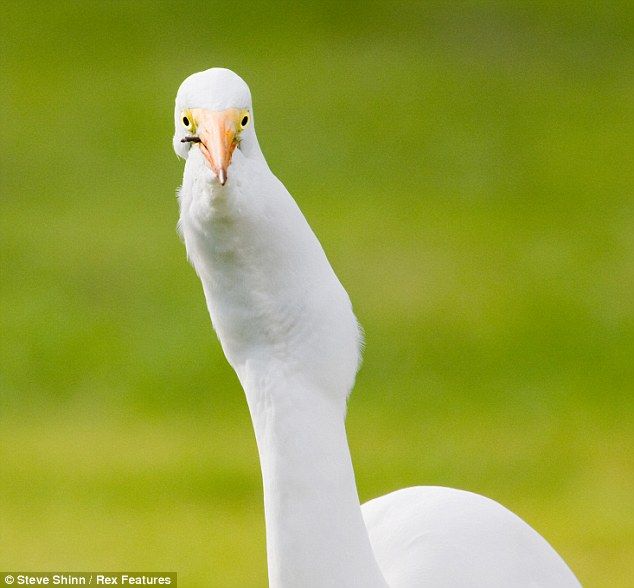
(244, 121)
(188, 121)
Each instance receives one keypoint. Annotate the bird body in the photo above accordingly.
(287, 328)
(447, 538)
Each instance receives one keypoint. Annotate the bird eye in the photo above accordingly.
(188, 121)
(245, 121)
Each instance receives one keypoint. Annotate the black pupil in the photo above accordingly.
(245, 120)
(185, 121)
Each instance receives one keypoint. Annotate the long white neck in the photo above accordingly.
(316, 537)
(286, 326)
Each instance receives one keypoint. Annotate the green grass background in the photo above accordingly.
(469, 170)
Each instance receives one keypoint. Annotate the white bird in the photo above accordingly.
(287, 328)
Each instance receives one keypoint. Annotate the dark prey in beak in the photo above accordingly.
(190, 140)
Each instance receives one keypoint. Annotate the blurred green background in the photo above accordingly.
(469, 170)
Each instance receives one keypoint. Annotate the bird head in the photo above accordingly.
(213, 114)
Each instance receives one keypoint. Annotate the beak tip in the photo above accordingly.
(222, 177)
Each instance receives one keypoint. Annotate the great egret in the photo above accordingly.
(287, 328)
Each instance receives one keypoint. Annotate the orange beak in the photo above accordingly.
(217, 133)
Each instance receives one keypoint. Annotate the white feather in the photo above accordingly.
(286, 326)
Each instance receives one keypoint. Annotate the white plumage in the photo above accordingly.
(287, 328)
